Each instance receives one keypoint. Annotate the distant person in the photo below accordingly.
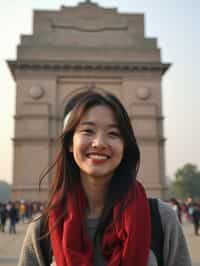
(185, 209)
(3, 217)
(1, 206)
(22, 211)
(189, 202)
(13, 217)
(196, 218)
(8, 206)
(177, 208)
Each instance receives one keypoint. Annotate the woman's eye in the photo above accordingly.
(87, 131)
(114, 134)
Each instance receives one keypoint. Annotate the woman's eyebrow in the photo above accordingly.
(89, 123)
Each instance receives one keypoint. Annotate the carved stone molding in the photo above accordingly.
(33, 139)
(30, 188)
(83, 65)
(89, 28)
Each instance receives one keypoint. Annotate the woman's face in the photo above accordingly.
(97, 144)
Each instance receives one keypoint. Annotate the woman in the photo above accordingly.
(98, 214)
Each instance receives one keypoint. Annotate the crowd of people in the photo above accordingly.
(187, 211)
(12, 213)
(21, 211)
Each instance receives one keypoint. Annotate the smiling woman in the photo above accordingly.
(97, 148)
(98, 213)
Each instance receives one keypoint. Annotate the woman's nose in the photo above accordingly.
(99, 141)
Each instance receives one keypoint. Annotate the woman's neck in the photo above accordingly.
(95, 190)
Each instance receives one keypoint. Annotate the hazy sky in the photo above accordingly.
(176, 26)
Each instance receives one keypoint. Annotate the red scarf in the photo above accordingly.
(125, 242)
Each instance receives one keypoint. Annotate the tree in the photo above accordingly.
(187, 182)
(5, 190)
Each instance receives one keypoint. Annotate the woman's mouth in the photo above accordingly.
(98, 158)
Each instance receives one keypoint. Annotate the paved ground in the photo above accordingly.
(10, 245)
(193, 243)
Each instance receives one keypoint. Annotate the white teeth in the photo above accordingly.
(98, 157)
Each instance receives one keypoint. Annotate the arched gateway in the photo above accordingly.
(82, 47)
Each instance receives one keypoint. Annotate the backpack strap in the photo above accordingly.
(157, 234)
(45, 243)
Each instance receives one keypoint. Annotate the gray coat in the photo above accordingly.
(175, 247)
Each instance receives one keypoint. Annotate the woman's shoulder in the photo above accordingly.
(34, 228)
(165, 208)
(175, 250)
(31, 250)
(167, 214)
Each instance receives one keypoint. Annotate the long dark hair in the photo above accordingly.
(67, 173)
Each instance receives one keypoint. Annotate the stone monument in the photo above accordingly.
(79, 47)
